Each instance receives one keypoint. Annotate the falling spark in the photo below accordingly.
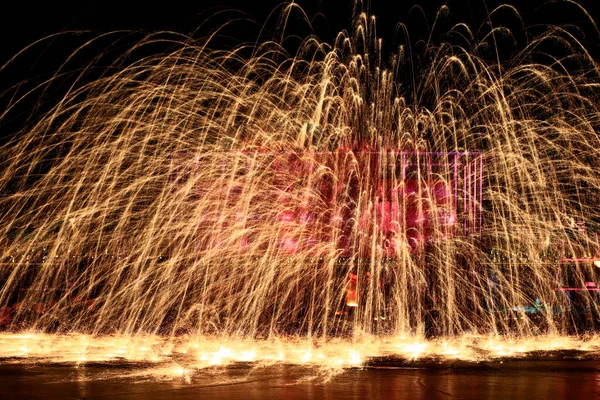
(217, 207)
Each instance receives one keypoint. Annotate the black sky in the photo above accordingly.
(21, 23)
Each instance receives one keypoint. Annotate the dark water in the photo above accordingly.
(524, 379)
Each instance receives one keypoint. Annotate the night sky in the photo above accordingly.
(24, 23)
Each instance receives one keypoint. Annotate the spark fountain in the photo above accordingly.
(327, 207)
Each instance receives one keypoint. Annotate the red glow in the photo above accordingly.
(412, 197)
(287, 216)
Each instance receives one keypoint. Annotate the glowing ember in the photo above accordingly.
(159, 353)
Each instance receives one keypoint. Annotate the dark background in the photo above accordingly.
(22, 23)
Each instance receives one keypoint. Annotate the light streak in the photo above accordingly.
(211, 205)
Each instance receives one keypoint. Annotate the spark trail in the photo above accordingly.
(232, 193)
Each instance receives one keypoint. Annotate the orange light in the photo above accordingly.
(351, 300)
(597, 263)
(351, 295)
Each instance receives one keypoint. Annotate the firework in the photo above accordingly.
(330, 194)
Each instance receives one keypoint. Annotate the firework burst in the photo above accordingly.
(331, 193)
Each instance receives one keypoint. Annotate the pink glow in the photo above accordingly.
(289, 245)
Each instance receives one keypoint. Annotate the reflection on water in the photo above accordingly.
(528, 379)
